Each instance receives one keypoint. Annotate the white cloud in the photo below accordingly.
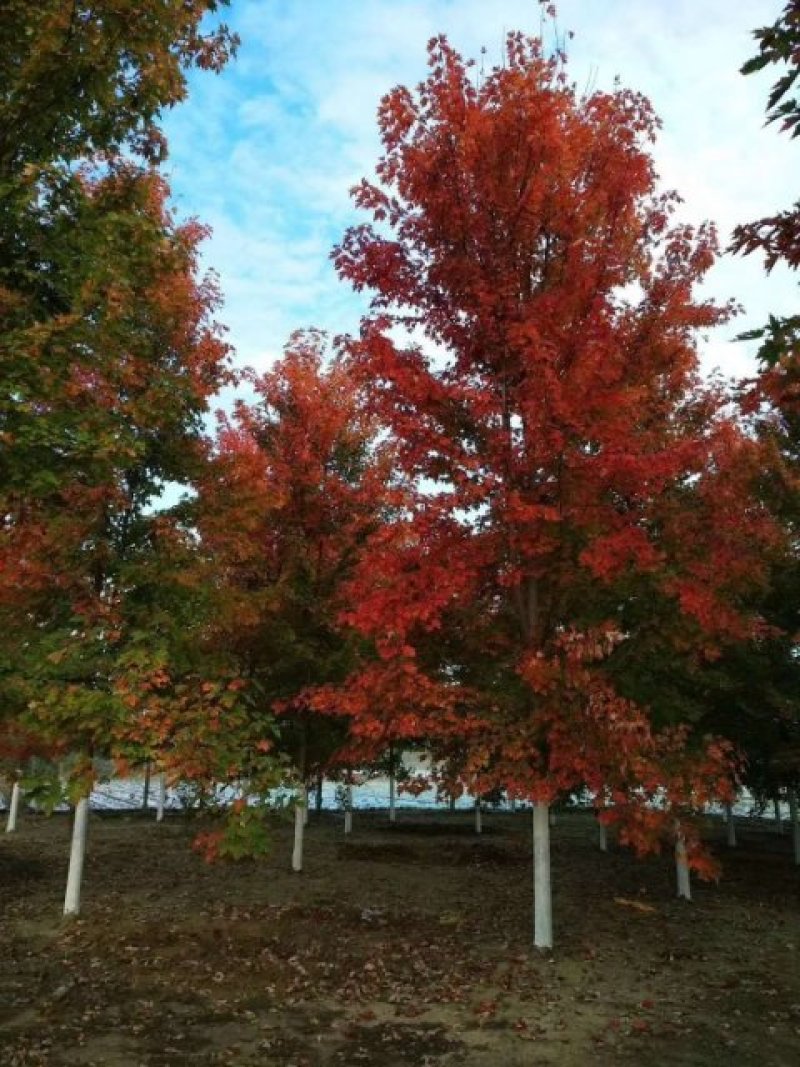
(267, 152)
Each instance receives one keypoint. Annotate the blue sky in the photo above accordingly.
(266, 152)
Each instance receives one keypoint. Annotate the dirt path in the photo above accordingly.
(406, 945)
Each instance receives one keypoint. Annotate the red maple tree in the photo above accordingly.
(578, 485)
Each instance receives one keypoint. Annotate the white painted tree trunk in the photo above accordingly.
(776, 805)
(795, 825)
(348, 810)
(730, 819)
(392, 798)
(299, 829)
(542, 899)
(603, 836)
(72, 899)
(161, 796)
(478, 816)
(682, 868)
(13, 808)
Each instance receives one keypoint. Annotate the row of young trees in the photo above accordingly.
(509, 521)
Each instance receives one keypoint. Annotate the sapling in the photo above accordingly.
(13, 808)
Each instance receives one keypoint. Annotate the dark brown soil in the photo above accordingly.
(404, 945)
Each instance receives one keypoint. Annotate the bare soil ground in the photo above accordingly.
(402, 945)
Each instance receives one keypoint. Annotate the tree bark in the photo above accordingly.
(392, 809)
(795, 825)
(603, 835)
(682, 868)
(348, 810)
(146, 789)
(72, 899)
(299, 828)
(318, 798)
(13, 808)
(542, 893)
(478, 816)
(161, 796)
(776, 804)
(730, 819)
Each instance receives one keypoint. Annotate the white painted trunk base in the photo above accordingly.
(13, 808)
(299, 831)
(478, 818)
(161, 796)
(730, 819)
(542, 899)
(72, 898)
(682, 869)
(795, 825)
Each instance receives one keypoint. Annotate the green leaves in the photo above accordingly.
(779, 44)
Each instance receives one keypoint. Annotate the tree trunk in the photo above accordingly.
(795, 825)
(306, 805)
(146, 789)
(603, 835)
(682, 868)
(13, 808)
(730, 819)
(348, 810)
(161, 796)
(392, 809)
(72, 899)
(318, 798)
(478, 816)
(776, 804)
(299, 828)
(542, 900)
(452, 803)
